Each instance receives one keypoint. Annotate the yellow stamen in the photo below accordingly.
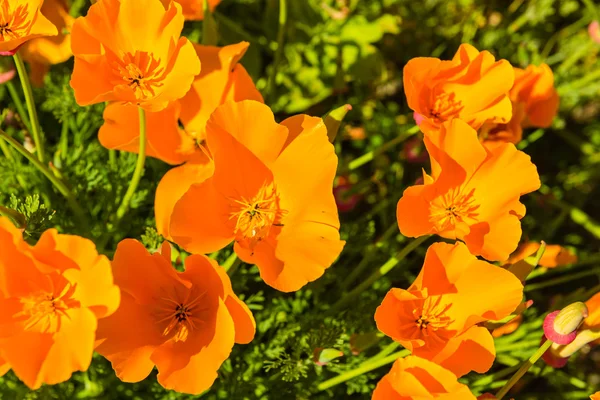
(184, 317)
(453, 208)
(445, 106)
(255, 217)
(13, 23)
(141, 72)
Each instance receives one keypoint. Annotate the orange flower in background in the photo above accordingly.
(46, 51)
(473, 87)
(437, 317)
(222, 79)
(268, 188)
(534, 101)
(595, 396)
(20, 21)
(185, 323)
(554, 255)
(593, 319)
(51, 297)
(472, 193)
(416, 378)
(193, 10)
(131, 52)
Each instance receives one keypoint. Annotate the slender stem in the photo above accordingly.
(137, 173)
(18, 104)
(351, 296)
(367, 157)
(523, 369)
(560, 279)
(371, 251)
(58, 184)
(35, 123)
(231, 263)
(365, 367)
(279, 52)
(209, 28)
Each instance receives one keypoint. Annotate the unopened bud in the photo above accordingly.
(325, 356)
(561, 326)
(584, 337)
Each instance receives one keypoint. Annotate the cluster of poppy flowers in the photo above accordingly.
(241, 177)
(472, 110)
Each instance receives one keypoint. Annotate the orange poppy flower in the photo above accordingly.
(222, 79)
(554, 255)
(437, 317)
(534, 101)
(193, 10)
(593, 319)
(131, 52)
(595, 396)
(46, 51)
(185, 323)
(416, 378)
(473, 87)
(263, 192)
(51, 297)
(509, 327)
(20, 21)
(472, 193)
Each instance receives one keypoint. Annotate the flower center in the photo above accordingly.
(141, 72)
(13, 24)
(445, 106)
(453, 208)
(43, 311)
(255, 217)
(183, 317)
(432, 315)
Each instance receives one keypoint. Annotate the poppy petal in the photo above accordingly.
(171, 188)
(129, 350)
(245, 325)
(194, 373)
(242, 121)
(472, 351)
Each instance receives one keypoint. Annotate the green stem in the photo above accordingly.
(232, 263)
(14, 94)
(35, 123)
(523, 369)
(365, 367)
(367, 157)
(279, 53)
(137, 173)
(58, 184)
(371, 251)
(351, 296)
(561, 279)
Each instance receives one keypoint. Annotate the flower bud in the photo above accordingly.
(561, 326)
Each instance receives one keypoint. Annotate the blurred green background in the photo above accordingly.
(349, 52)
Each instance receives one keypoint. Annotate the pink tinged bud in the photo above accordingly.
(418, 118)
(584, 337)
(345, 202)
(486, 396)
(7, 76)
(552, 359)
(325, 356)
(594, 31)
(561, 326)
